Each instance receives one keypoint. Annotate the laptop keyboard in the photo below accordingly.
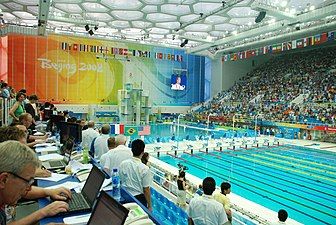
(77, 202)
(55, 164)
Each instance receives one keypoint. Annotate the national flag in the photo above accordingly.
(115, 51)
(299, 43)
(331, 36)
(121, 51)
(144, 130)
(253, 52)
(106, 50)
(294, 44)
(270, 49)
(264, 50)
(131, 130)
(225, 58)
(235, 57)
(75, 47)
(180, 58)
(324, 37)
(305, 42)
(101, 49)
(82, 48)
(64, 46)
(160, 55)
(289, 45)
(125, 52)
(284, 46)
(117, 128)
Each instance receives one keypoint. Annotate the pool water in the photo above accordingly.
(297, 179)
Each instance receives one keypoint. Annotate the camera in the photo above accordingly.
(181, 167)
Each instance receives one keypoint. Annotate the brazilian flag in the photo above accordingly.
(131, 130)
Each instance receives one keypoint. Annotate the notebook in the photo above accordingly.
(82, 202)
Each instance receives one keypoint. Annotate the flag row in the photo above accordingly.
(280, 47)
(130, 130)
(119, 51)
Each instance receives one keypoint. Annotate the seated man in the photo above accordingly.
(205, 210)
(17, 169)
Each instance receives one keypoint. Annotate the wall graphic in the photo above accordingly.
(72, 70)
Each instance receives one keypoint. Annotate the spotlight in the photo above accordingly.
(95, 27)
(260, 17)
(91, 32)
(184, 43)
(87, 28)
(173, 36)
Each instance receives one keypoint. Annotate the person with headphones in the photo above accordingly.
(18, 107)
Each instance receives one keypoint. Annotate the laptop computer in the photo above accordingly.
(61, 164)
(108, 211)
(82, 202)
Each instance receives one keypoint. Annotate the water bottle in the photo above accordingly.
(86, 158)
(115, 184)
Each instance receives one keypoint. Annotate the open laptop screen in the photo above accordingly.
(93, 184)
(108, 211)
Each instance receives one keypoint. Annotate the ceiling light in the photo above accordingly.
(234, 32)
(311, 8)
(283, 3)
(91, 32)
(95, 27)
(87, 28)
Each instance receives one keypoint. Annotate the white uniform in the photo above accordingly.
(87, 137)
(205, 210)
(114, 157)
(134, 176)
(100, 145)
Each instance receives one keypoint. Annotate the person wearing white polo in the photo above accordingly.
(205, 210)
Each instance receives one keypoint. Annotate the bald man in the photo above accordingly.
(88, 135)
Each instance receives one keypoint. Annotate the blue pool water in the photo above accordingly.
(299, 180)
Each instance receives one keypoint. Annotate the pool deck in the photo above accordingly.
(240, 202)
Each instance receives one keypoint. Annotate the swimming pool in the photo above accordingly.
(165, 132)
(298, 179)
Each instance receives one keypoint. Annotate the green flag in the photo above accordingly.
(131, 130)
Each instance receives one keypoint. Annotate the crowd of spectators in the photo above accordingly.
(296, 87)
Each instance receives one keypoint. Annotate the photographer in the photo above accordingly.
(181, 192)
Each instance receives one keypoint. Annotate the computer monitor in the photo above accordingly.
(108, 211)
(47, 114)
(73, 130)
(54, 123)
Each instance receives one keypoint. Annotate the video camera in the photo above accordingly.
(181, 167)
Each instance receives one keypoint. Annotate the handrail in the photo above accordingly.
(234, 207)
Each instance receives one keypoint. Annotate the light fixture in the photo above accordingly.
(95, 27)
(184, 43)
(87, 27)
(91, 32)
(260, 17)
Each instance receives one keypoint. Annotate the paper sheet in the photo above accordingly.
(77, 220)
(54, 177)
(53, 156)
(70, 185)
(46, 149)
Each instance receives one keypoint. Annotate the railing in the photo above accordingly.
(5, 106)
(240, 216)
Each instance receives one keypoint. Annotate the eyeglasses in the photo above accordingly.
(29, 182)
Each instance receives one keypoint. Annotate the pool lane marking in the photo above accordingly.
(215, 173)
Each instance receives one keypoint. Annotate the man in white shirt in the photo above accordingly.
(113, 158)
(88, 135)
(135, 176)
(205, 210)
(100, 144)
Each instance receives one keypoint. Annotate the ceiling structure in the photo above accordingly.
(212, 27)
